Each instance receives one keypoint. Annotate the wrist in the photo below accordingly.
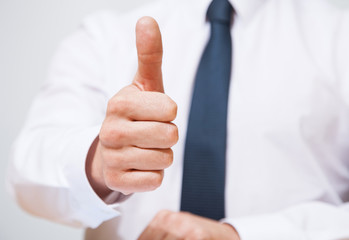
(94, 172)
(231, 231)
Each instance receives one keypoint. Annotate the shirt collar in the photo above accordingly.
(246, 8)
(243, 8)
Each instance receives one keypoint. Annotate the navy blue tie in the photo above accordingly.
(205, 148)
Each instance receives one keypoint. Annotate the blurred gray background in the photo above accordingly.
(30, 31)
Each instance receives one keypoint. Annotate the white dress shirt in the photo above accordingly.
(288, 123)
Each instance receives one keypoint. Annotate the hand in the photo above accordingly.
(169, 225)
(134, 144)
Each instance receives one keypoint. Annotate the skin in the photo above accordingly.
(134, 144)
(168, 225)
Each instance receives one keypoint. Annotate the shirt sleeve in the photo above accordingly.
(46, 175)
(308, 221)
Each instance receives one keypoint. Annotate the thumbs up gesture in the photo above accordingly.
(134, 143)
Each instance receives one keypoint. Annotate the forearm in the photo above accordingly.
(48, 180)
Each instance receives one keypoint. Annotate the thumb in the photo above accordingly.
(149, 50)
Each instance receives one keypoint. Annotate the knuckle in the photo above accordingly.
(119, 104)
(104, 134)
(113, 137)
(114, 159)
(168, 158)
(156, 179)
(197, 234)
(107, 157)
(111, 179)
(118, 134)
(118, 181)
(171, 109)
(153, 224)
(111, 105)
(172, 133)
(162, 215)
(175, 217)
(150, 57)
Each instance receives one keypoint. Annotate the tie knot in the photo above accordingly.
(220, 11)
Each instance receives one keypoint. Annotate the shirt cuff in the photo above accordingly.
(89, 208)
(115, 198)
(265, 227)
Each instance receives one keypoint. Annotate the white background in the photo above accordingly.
(30, 31)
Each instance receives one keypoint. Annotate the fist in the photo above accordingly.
(134, 144)
(185, 226)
